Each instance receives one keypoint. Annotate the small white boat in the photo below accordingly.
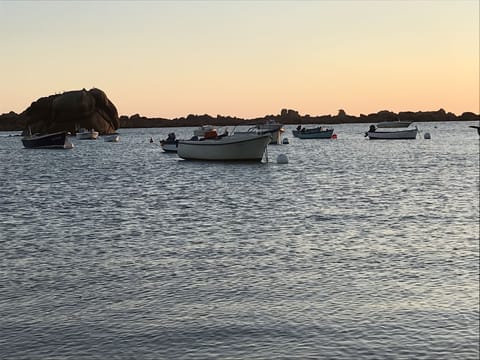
(169, 147)
(111, 138)
(170, 143)
(404, 134)
(394, 124)
(84, 134)
(236, 147)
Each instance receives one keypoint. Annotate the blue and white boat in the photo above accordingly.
(313, 133)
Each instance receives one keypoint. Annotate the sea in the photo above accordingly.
(354, 249)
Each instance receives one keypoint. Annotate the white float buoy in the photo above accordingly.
(426, 135)
(282, 159)
(285, 141)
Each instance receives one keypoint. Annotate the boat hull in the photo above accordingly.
(56, 140)
(170, 147)
(111, 138)
(410, 134)
(238, 147)
(324, 134)
(87, 135)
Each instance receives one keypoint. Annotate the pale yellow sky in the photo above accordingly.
(244, 58)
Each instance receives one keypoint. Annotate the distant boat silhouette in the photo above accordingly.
(476, 127)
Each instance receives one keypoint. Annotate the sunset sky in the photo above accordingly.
(244, 58)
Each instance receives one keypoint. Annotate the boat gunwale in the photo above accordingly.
(211, 142)
(40, 136)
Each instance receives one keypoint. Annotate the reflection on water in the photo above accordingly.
(354, 249)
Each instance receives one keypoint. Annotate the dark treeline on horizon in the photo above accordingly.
(17, 122)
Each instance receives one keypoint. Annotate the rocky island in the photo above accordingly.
(69, 111)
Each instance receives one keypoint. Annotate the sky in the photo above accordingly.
(247, 58)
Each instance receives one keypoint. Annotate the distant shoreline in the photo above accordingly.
(291, 117)
(18, 122)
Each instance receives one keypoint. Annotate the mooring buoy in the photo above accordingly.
(282, 159)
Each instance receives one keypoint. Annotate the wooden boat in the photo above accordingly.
(314, 133)
(57, 140)
(404, 134)
(236, 147)
(84, 134)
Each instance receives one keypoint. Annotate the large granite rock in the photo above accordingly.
(73, 110)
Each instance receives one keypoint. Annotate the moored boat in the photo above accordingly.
(111, 138)
(404, 134)
(236, 147)
(170, 144)
(84, 134)
(57, 140)
(313, 133)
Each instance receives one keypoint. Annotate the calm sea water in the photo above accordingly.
(355, 249)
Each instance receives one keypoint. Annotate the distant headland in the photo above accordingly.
(17, 122)
(92, 109)
(292, 117)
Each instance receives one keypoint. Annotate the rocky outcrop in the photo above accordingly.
(73, 110)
